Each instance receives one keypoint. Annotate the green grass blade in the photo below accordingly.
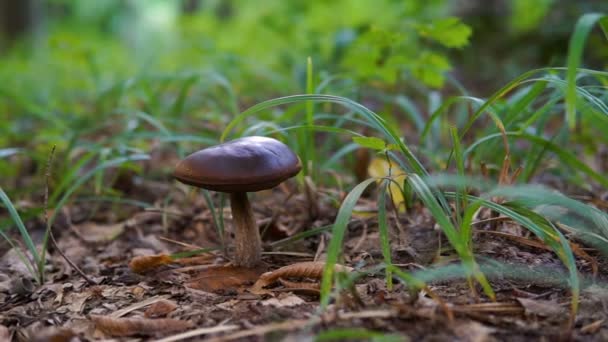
(575, 53)
(426, 195)
(460, 161)
(25, 235)
(335, 244)
(568, 158)
(310, 136)
(24, 259)
(342, 334)
(85, 177)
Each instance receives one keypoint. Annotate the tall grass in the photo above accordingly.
(539, 101)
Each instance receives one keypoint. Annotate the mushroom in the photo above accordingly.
(237, 167)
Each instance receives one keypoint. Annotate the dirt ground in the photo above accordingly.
(113, 297)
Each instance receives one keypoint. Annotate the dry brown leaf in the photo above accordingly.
(145, 263)
(221, 278)
(473, 332)
(544, 308)
(160, 309)
(285, 301)
(138, 326)
(310, 269)
(5, 334)
(300, 285)
(197, 260)
(95, 233)
(52, 334)
(593, 327)
(77, 300)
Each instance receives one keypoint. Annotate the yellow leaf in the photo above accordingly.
(379, 168)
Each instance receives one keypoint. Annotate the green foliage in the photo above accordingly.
(385, 52)
(527, 15)
(449, 32)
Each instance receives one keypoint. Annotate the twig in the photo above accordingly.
(47, 175)
(198, 332)
(138, 305)
(299, 324)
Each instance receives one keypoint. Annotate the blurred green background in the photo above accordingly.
(68, 67)
(262, 46)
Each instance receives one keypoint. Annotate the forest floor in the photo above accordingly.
(207, 298)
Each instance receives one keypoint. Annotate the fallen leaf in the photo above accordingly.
(145, 263)
(228, 305)
(160, 309)
(77, 300)
(311, 269)
(472, 331)
(138, 326)
(221, 278)
(544, 308)
(5, 334)
(94, 232)
(53, 334)
(287, 301)
(12, 264)
(300, 285)
(380, 168)
(593, 327)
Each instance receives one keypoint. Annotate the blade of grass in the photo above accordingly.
(25, 235)
(426, 195)
(310, 137)
(85, 177)
(459, 159)
(575, 52)
(300, 236)
(335, 244)
(568, 158)
(24, 259)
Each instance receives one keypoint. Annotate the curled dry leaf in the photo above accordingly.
(222, 278)
(299, 284)
(544, 308)
(301, 287)
(146, 263)
(311, 269)
(138, 326)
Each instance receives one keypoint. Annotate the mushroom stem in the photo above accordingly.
(247, 236)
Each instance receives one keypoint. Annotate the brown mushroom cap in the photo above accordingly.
(243, 165)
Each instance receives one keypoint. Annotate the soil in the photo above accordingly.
(205, 296)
